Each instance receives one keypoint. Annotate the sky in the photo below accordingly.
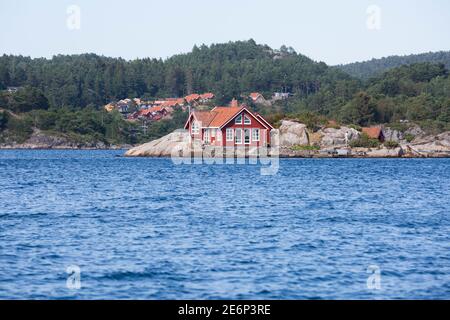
(335, 32)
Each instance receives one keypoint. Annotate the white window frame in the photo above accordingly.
(230, 138)
(256, 137)
(206, 136)
(238, 117)
(249, 120)
(195, 127)
(236, 135)
(219, 135)
(249, 136)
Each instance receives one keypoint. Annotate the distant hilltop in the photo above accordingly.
(368, 69)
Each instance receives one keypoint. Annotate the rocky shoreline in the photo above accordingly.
(295, 141)
(43, 141)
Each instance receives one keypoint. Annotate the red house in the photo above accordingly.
(229, 126)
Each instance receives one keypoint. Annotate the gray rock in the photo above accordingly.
(338, 137)
(176, 143)
(293, 134)
(393, 135)
(385, 153)
(431, 145)
(415, 131)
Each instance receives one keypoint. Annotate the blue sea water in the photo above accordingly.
(148, 229)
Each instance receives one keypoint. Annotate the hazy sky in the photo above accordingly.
(326, 30)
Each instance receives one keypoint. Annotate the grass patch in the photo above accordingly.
(305, 148)
(391, 144)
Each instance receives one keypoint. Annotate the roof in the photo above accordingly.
(171, 103)
(255, 95)
(373, 132)
(156, 109)
(220, 116)
(192, 97)
(145, 112)
(207, 95)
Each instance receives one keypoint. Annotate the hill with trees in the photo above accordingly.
(66, 94)
(368, 69)
(228, 70)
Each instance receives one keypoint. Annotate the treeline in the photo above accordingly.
(375, 67)
(66, 93)
(83, 126)
(419, 93)
(228, 70)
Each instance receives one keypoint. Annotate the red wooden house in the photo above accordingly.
(229, 126)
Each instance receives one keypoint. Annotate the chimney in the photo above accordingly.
(234, 103)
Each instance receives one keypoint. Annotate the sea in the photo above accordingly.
(96, 225)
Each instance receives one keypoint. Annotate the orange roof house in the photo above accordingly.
(229, 126)
(207, 96)
(192, 97)
(257, 97)
(374, 133)
(110, 107)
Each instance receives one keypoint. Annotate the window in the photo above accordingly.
(255, 134)
(238, 119)
(247, 120)
(238, 136)
(219, 135)
(230, 134)
(246, 136)
(206, 136)
(195, 128)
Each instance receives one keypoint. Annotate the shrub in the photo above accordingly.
(365, 142)
(312, 120)
(401, 127)
(4, 116)
(355, 126)
(391, 144)
(19, 129)
(409, 137)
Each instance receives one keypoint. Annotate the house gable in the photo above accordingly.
(253, 118)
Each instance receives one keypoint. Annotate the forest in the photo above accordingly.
(375, 67)
(66, 93)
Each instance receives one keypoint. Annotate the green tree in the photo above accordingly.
(360, 110)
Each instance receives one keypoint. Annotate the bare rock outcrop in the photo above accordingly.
(385, 153)
(393, 135)
(338, 137)
(43, 140)
(175, 143)
(431, 146)
(293, 134)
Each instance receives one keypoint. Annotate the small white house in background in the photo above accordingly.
(12, 89)
(280, 96)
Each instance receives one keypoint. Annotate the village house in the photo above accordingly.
(280, 96)
(206, 97)
(12, 89)
(153, 113)
(257, 97)
(229, 126)
(192, 98)
(374, 133)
